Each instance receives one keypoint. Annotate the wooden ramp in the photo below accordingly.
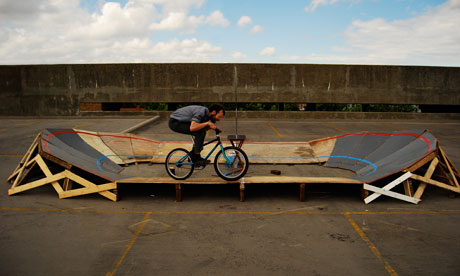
(78, 162)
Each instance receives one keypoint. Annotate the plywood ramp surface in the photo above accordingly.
(94, 140)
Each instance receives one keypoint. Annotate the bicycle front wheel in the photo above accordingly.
(179, 164)
(231, 164)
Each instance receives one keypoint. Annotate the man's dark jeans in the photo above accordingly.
(184, 128)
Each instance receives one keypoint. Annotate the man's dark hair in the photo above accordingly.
(217, 108)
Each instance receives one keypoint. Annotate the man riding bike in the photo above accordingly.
(196, 120)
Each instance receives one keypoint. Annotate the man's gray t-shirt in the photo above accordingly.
(190, 113)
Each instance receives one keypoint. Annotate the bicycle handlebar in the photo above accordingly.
(218, 131)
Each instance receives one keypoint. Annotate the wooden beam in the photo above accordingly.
(387, 187)
(29, 154)
(390, 194)
(41, 163)
(26, 155)
(436, 183)
(37, 183)
(242, 188)
(422, 162)
(428, 174)
(178, 193)
(28, 170)
(408, 188)
(449, 167)
(452, 164)
(302, 192)
(247, 180)
(88, 184)
(88, 190)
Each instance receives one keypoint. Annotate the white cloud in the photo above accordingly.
(256, 29)
(268, 51)
(62, 31)
(180, 21)
(244, 20)
(430, 38)
(217, 18)
(433, 35)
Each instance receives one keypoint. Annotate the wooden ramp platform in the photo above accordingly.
(77, 162)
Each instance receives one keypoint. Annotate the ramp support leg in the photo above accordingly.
(302, 192)
(242, 192)
(178, 193)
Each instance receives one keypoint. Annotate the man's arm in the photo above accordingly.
(194, 126)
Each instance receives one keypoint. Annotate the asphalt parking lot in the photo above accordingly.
(210, 232)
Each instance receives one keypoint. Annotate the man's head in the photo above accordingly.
(216, 112)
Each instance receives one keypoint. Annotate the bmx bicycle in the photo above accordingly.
(231, 163)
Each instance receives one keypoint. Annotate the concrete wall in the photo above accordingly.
(59, 89)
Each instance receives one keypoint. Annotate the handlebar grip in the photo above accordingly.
(218, 131)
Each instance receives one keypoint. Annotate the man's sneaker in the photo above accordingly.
(198, 161)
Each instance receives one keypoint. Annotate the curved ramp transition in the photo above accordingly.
(78, 162)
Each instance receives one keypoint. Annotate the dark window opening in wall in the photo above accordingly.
(152, 106)
(440, 108)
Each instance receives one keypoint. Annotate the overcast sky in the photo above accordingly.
(390, 32)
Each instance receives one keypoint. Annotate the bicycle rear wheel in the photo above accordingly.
(231, 164)
(179, 164)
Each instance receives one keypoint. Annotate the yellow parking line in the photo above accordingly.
(11, 155)
(391, 126)
(371, 245)
(23, 125)
(30, 123)
(274, 128)
(336, 128)
(86, 124)
(130, 243)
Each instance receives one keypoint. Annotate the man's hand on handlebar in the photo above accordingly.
(212, 126)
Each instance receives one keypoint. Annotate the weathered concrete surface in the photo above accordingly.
(59, 89)
(211, 232)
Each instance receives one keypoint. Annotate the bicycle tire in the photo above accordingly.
(179, 172)
(228, 169)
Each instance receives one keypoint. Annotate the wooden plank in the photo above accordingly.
(436, 183)
(428, 174)
(178, 193)
(88, 190)
(390, 194)
(422, 162)
(89, 184)
(19, 176)
(41, 163)
(56, 160)
(387, 187)
(452, 164)
(25, 174)
(37, 183)
(96, 142)
(443, 174)
(448, 166)
(67, 184)
(247, 180)
(408, 188)
(29, 154)
(302, 192)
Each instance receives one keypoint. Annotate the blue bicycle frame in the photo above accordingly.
(181, 161)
